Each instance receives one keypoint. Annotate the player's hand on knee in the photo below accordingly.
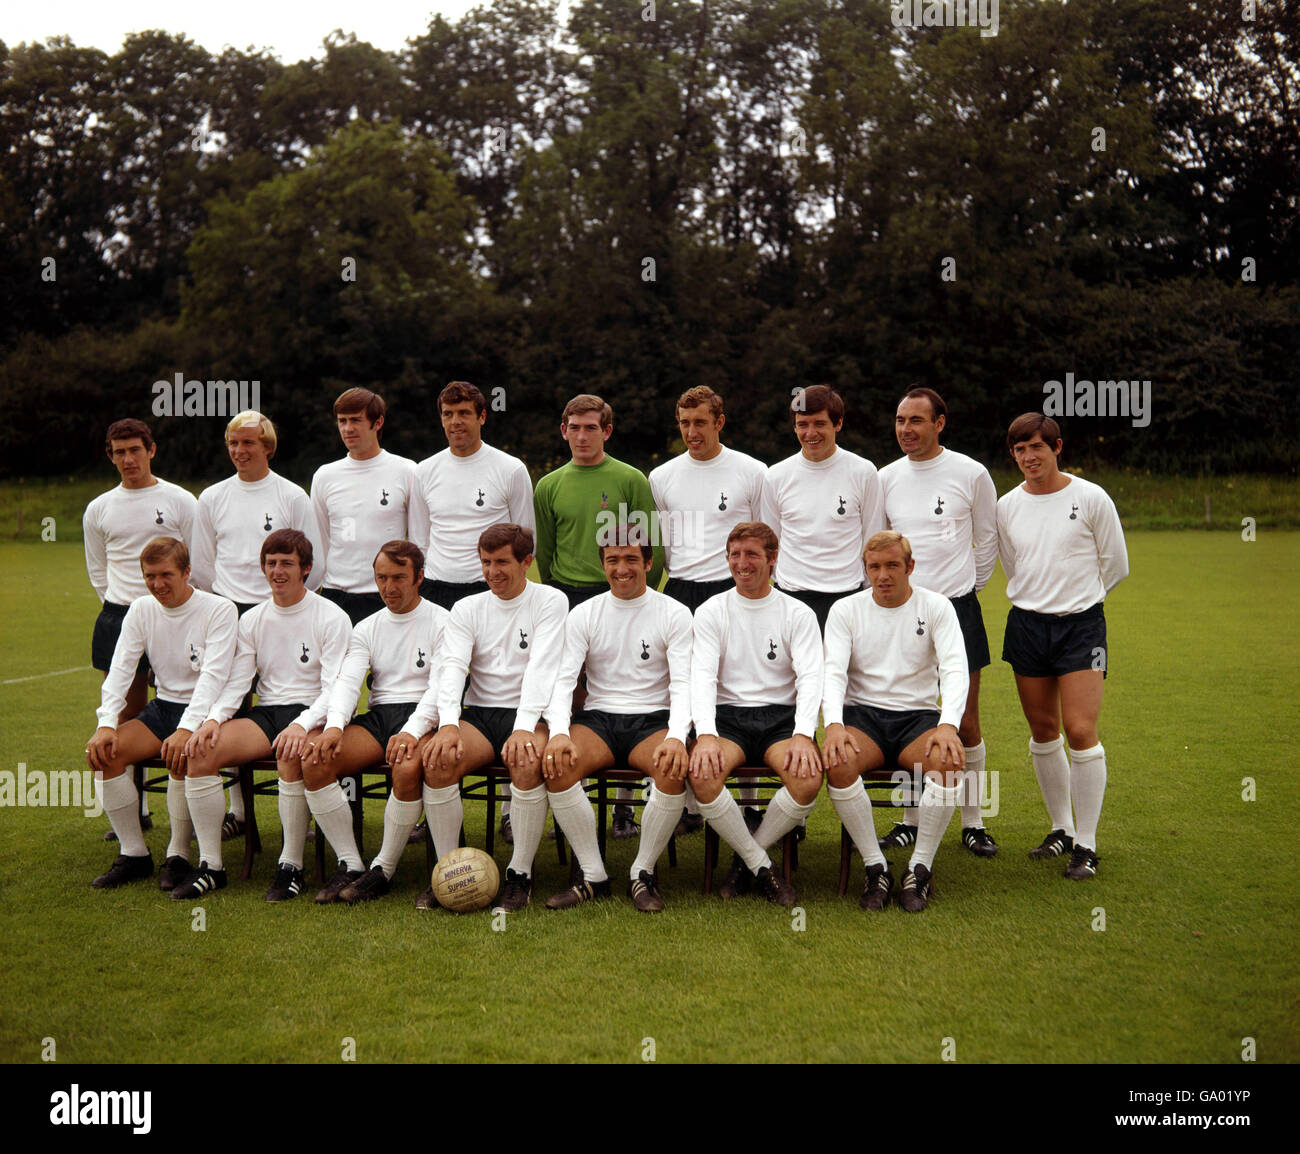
(520, 749)
(445, 749)
(706, 758)
(561, 755)
(944, 746)
(101, 748)
(400, 746)
(836, 746)
(671, 759)
(323, 747)
(173, 751)
(801, 757)
(206, 733)
(289, 742)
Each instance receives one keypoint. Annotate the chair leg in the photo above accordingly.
(710, 855)
(846, 852)
(358, 817)
(490, 792)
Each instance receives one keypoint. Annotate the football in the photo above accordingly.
(466, 879)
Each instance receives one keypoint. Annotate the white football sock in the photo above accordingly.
(937, 803)
(973, 786)
(294, 819)
(658, 820)
(724, 815)
(236, 801)
(1087, 789)
(207, 806)
(527, 824)
(577, 819)
(329, 806)
(853, 808)
(1053, 772)
(122, 805)
(445, 813)
(178, 816)
(399, 819)
(783, 814)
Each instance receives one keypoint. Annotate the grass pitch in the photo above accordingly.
(1197, 891)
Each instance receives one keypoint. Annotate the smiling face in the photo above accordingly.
(286, 576)
(625, 570)
(816, 433)
(917, 429)
(359, 435)
(586, 438)
(167, 582)
(505, 576)
(751, 566)
(1037, 460)
(398, 583)
(248, 454)
(699, 429)
(463, 427)
(888, 572)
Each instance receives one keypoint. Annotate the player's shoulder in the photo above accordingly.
(623, 469)
(1089, 489)
(712, 609)
(327, 612)
(848, 607)
(97, 505)
(290, 489)
(795, 612)
(668, 607)
(214, 603)
(547, 596)
(786, 467)
(431, 463)
(852, 462)
(933, 602)
(397, 462)
(218, 489)
(175, 492)
(431, 612)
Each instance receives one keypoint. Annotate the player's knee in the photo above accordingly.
(528, 776)
(841, 776)
(316, 776)
(804, 790)
(1081, 735)
(406, 779)
(706, 789)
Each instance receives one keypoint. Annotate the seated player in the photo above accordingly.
(756, 687)
(189, 638)
(400, 647)
(636, 646)
(508, 640)
(294, 644)
(880, 707)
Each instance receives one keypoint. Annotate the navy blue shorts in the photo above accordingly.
(271, 719)
(819, 603)
(622, 732)
(755, 728)
(1045, 645)
(384, 721)
(495, 724)
(971, 620)
(161, 717)
(103, 641)
(893, 730)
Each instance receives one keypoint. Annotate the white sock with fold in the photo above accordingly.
(178, 817)
(576, 817)
(936, 808)
(1053, 772)
(207, 807)
(1087, 789)
(294, 818)
(658, 820)
(122, 805)
(973, 786)
(853, 807)
(329, 806)
(724, 815)
(783, 814)
(527, 824)
(445, 813)
(399, 819)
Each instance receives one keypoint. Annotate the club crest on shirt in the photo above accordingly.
(645, 650)
(267, 527)
(195, 657)
(938, 506)
(1074, 512)
(419, 659)
(479, 501)
(920, 627)
(383, 496)
(304, 658)
(722, 504)
(158, 518)
(771, 649)
(840, 510)
(523, 639)
(604, 500)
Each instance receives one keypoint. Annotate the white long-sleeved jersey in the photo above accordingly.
(756, 651)
(904, 658)
(401, 651)
(1062, 552)
(191, 650)
(295, 652)
(116, 527)
(234, 517)
(823, 512)
(638, 659)
(358, 506)
(947, 507)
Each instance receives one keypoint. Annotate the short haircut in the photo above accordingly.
(759, 532)
(460, 391)
(359, 400)
(937, 407)
(507, 535)
(399, 551)
(588, 403)
(817, 399)
(265, 430)
(1026, 425)
(700, 395)
(161, 548)
(125, 430)
(624, 534)
(287, 541)
(884, 540)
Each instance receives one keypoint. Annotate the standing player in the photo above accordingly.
(401, 648)
(1062, 549)
(359, 503)
(756, 687)
(115, 527)
(881, 708)
(946, 506)
(591, 492)
(508, 641)
(294, 644)
(636, 647)
(233, 518)
(701, 495)
(823, 503)
(189, 639)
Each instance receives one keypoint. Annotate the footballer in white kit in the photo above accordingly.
(1062, 549)
(293, 644)
(635, 645)
(945, 504)
(881, 706)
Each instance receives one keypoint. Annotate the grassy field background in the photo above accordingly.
(1197, 887)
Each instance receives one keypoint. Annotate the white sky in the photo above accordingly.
(293, 32)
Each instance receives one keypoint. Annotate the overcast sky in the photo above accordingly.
(291, 31)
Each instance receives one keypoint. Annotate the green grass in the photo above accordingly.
(1197, 885)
